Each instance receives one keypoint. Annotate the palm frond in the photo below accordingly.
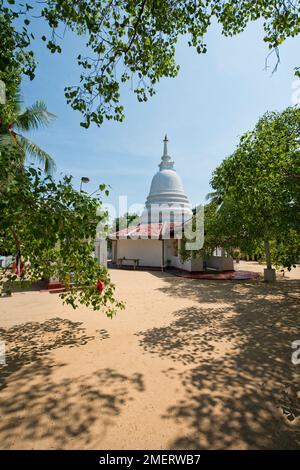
(33, 150)
(34, 117)
(215, 198)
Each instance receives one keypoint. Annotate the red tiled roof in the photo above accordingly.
(145, 231)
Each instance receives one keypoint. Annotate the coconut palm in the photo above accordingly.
(215, 198)
(32, 118)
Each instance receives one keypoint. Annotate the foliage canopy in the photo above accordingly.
(127, 41)
(256, 195)
(53, 227)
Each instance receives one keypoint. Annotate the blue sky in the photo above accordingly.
(215, 98)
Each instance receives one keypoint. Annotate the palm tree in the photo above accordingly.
(215, 197)
(32, 118)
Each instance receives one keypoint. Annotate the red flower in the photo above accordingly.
(100, 286)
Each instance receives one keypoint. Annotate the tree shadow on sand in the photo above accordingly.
(42, 410)
(26, 342)
(223, 291)
(241, 389)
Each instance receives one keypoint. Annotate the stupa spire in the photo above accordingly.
(166, 146)
(166, 162)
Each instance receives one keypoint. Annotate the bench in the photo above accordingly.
(135, 261)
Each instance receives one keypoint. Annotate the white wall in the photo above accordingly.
(175, 260)
(6, 261)
(177, 263)
(149, 252)
(194, 264)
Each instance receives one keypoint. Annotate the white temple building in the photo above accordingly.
(155, 241)
(167, 200)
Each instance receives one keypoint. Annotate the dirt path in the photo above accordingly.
(189, 364)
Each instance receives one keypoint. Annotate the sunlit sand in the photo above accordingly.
(188, 365)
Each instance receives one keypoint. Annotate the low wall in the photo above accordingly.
(219, 263)
(196, 264)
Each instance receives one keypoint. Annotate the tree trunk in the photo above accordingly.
(269, 273)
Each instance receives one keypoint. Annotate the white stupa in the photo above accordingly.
(155, 240)
(167, 200)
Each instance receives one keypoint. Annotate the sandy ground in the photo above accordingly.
(189, 364)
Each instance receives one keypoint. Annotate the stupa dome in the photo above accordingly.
(167, 195)
(166, 187)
